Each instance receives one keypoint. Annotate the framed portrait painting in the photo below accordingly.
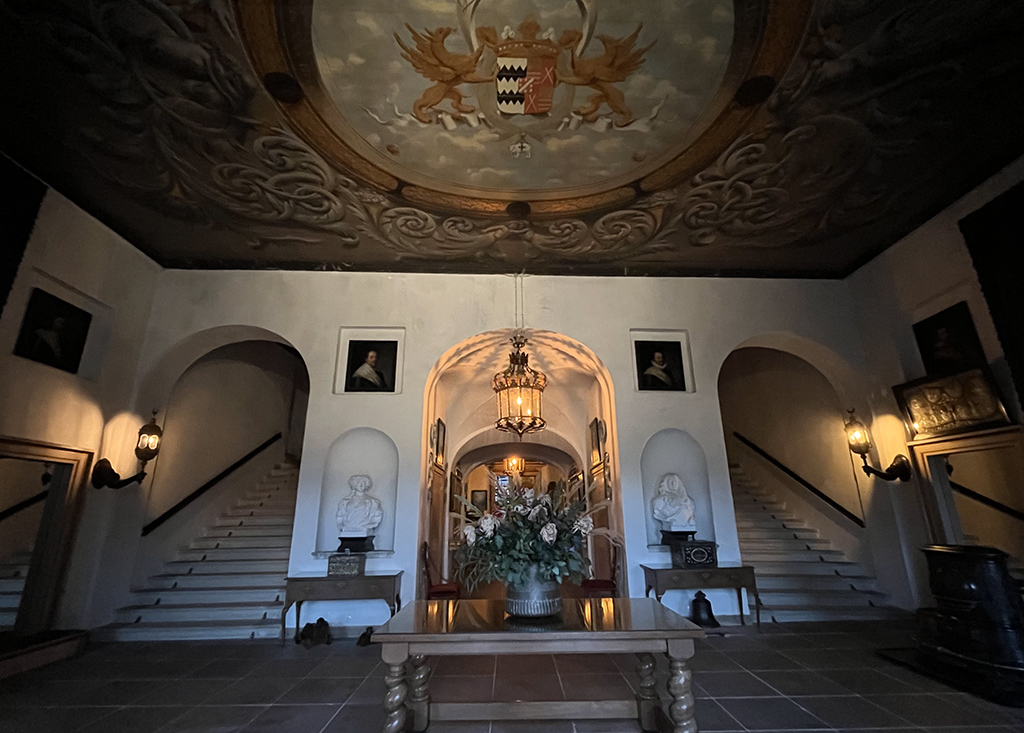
(369, 360)
(478, 498)
(661, 361)
(53, 332)
(948, 341)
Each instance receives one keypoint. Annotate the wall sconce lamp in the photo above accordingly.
(146, 449)
(860, 443)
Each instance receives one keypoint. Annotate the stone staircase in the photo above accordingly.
(228, 583)
(13, 572)
(800, 576)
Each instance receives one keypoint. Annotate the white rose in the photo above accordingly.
(536, 513)
(528, 494)
(523, 509)
(549, 532)
(487, 524)
(584, 525)
(469, 531)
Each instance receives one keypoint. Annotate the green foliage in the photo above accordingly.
(504, 545)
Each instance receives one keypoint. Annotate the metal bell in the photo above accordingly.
(700, 611)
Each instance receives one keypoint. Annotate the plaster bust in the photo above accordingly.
(672, 506)
(359, 513)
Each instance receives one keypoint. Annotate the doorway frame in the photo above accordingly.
(929, 463)
(45, 584)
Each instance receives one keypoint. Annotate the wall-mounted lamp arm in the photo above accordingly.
(898, 469)
(105, 477)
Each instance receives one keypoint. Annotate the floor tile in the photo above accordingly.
(763, 659)
(596, 687)
(278, 718)
(733, 684)
(356, 719)
(866, 681)
(116, 693)
(320, 690)
(713, 717)
(629, 725)
(931, 710)
(771, 713)
(251, 691)
(214, 719)
(188, 692)
(712, 661)
(526, 664)
(534, 688)
(850, 712)
(532, 726)
(458, 689)
(467, 665)
(801, 682)
(134, 720)
(49, 720)
(585, 664)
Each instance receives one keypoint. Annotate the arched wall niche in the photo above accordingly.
(359, 451)
(676, 451)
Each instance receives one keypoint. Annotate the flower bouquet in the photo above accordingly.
(530, 540)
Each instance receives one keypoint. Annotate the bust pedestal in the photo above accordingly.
(355, 544)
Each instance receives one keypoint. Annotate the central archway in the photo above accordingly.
(579, 443)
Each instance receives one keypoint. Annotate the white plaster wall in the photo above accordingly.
(439, 311)
(76, 258)
(928, 270)
(227, 403)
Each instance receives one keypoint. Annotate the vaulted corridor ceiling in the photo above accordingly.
(738, 137)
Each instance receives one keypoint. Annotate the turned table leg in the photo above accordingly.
(682, 708)
(647, 696)
(419, 696)
(394, 656)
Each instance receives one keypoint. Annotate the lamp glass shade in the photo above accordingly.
(857, 436)
(148, 445)
(518, 391)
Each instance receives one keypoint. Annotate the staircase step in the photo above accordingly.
(754, 557)
(246, 553)
(199, 612)
(10, 600)
(767, 581)
(790, 544)
(264, 594)
(202, 578)
(13, 571)
(259, 530)
(764, 533)
(248, 520)
(7, 618)
(184, 567)
(280, 516)
(12, 585)
(830, 613)
(816, 597)
(264, 541)
(763, 522)
(189, 630)
(841, 569)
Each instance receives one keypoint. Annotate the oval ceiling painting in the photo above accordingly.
(521, 94)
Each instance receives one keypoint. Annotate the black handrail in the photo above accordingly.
(992, 503)
(210, 484)
(800, 480)
(21, 505)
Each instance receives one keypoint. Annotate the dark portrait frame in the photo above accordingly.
(948, 341)
(387, 360)
(479, 499)
(674, 356)
(41, 314)
(440, 441)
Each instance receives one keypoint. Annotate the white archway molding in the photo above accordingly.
(155, 387)
(531, 447)
(845, 380)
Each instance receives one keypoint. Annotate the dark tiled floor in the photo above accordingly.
(796, 677)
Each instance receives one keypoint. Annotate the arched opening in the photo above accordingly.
(464, 455)
(233, 414)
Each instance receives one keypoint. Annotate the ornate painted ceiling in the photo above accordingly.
(602, 137)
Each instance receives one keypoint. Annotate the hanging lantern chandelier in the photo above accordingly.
(519, 390)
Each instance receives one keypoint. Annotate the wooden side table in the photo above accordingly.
(661, 579)
(386, 586)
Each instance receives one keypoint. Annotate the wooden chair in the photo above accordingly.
(441, 590)
(603, 587)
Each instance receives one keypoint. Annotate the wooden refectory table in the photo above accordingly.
(660, 579)
(586, 626)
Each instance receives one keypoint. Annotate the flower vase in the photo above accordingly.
(534, 597)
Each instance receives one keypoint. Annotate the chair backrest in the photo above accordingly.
(429, 572)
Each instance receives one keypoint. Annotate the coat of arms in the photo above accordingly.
(523, 81)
